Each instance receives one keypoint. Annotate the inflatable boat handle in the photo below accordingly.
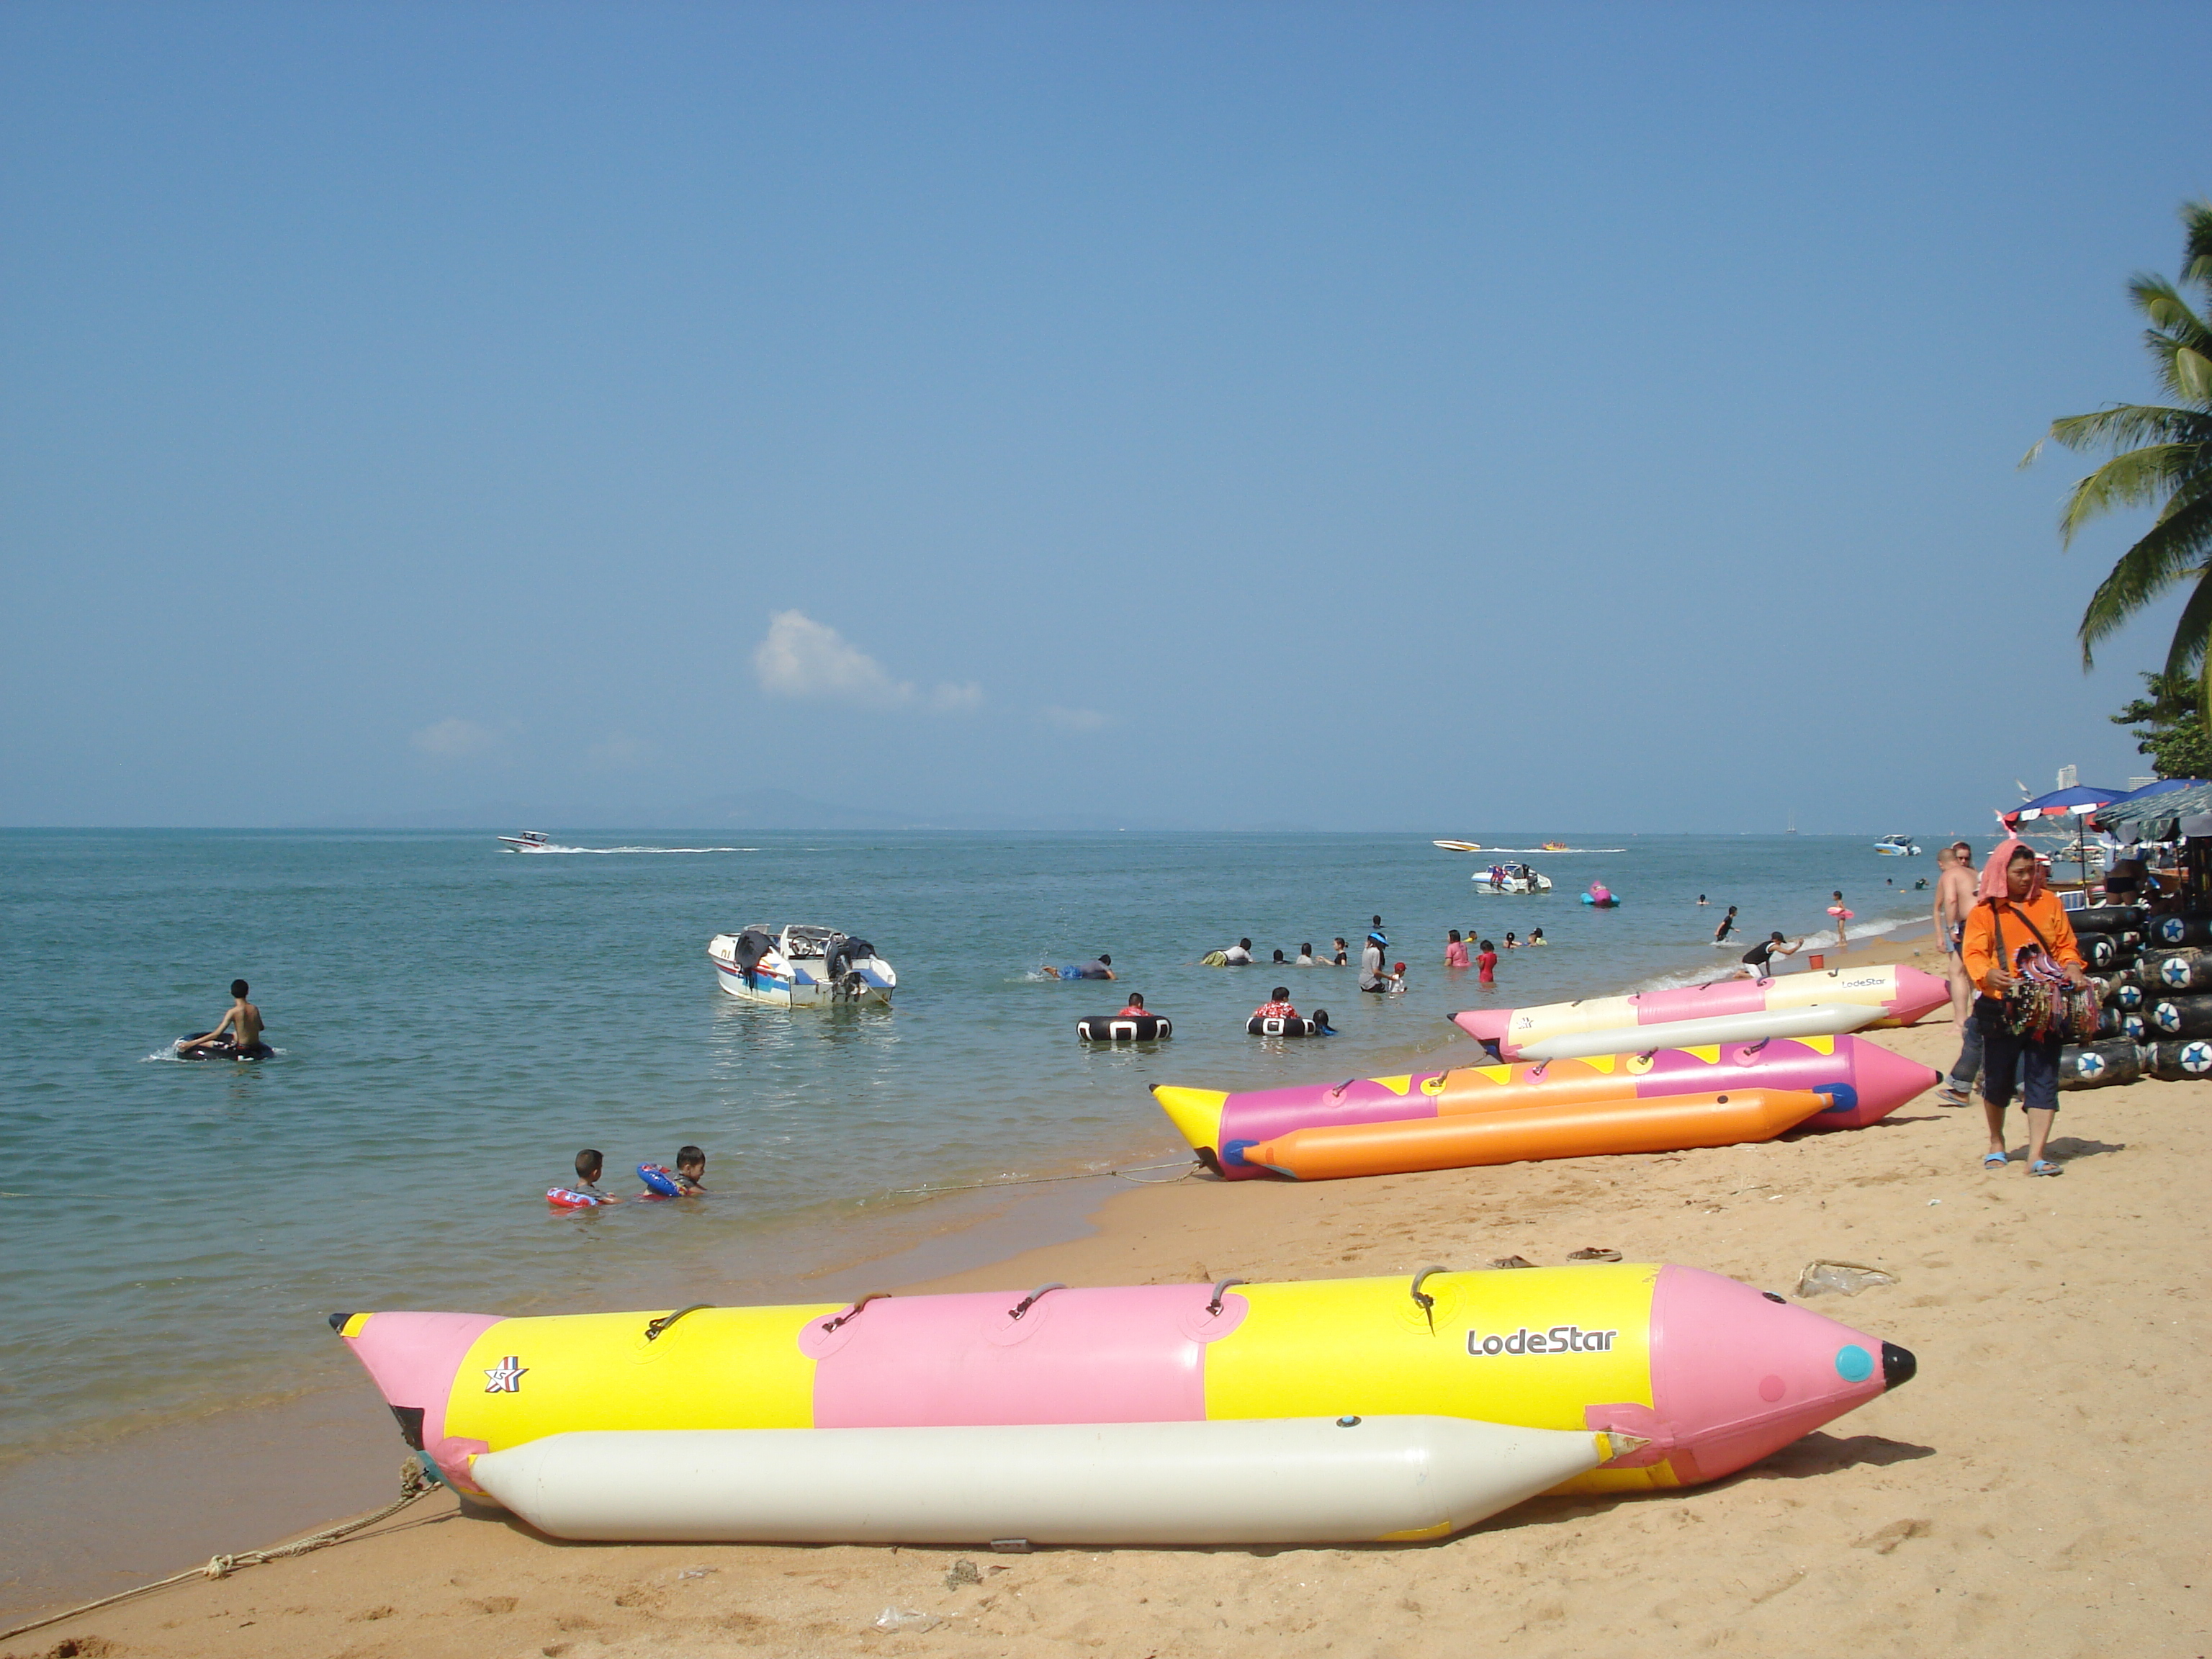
(1221, 1290)
(1029, 1301)
(659, 1327)
(858, 1303)
(1428, 1304)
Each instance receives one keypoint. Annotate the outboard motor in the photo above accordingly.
(839, 965)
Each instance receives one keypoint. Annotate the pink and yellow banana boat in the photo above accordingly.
(1709, 1374)
(1903, 993)
(1860, 1081)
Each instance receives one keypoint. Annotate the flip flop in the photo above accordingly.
(1995, 1160)
(2045, 1166)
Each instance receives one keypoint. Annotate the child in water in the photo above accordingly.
(1488, 962)
(689, 1175)
(589, 1166)
(1397, 978)
(690, 1169)
(1536, 936)
(1512, 943)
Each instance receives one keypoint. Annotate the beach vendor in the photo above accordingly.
(2019, 952)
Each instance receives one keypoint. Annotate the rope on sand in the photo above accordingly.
(414, 1483)
(1128, 1173)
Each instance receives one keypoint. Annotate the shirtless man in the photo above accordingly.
(242, 1022)
(1954, 902)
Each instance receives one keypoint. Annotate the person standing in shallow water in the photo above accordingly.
(1455, 950)
(1727, 927)
(1371, 974)
(1843, 919)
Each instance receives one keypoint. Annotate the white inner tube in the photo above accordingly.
(1821, 1019)
(1279, 1480)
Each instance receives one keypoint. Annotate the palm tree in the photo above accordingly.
(2161, 457)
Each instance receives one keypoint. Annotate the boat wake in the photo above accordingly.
(606, 851)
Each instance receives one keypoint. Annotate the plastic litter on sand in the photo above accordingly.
(1840, 1279)
(905, 1619)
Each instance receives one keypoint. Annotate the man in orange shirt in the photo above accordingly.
(2017, 932)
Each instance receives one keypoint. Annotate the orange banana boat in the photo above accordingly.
(1664, 1123)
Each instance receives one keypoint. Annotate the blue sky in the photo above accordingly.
(1423, 417)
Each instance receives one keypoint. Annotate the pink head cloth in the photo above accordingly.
(1994, 885)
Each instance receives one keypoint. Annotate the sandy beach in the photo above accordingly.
(2035, 1490)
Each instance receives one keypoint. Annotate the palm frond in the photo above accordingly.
(2166, 554)
(2197, 251)
(2126, 425)
(2135, 477)
(2160, 301)
(2185, 657)
(2186, 493)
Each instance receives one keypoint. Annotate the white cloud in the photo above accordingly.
(456, 739)
(804, 659)
(1074, 720)
(957, 699)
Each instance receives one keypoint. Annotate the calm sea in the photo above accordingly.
(454, 1022)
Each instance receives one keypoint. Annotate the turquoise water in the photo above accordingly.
(455, 1022)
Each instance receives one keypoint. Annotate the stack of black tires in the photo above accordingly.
(2156, 973)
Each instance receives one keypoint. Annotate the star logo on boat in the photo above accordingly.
(506, 1378)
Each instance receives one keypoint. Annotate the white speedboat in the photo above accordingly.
(1896, 847)
(1511, 878)
(800, 966)
(530, 841)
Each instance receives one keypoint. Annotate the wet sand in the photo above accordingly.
(2035, 1490)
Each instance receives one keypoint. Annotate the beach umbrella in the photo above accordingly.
(2075, 801)
(2161, 810)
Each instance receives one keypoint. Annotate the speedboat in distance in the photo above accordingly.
(530, 841)
(1896, 847)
